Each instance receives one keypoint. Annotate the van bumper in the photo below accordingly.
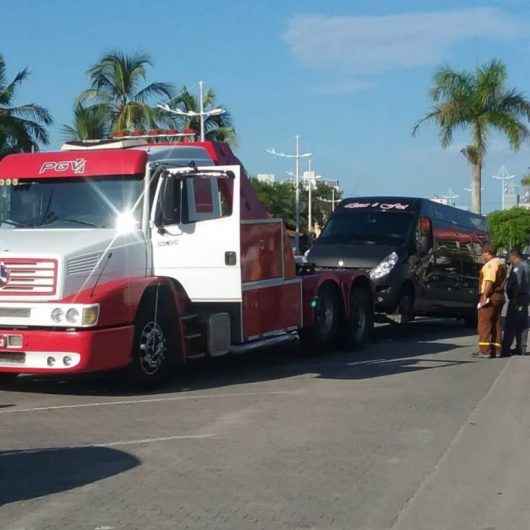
(386, 295)
(70, 352)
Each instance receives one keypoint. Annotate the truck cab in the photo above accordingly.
(143, 253)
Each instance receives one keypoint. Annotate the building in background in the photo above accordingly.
(524, 197)
(267, 178)
(511, 198)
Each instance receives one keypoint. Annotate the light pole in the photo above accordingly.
(297, 157)
(503, 176)
(310, 177)
(202, 114)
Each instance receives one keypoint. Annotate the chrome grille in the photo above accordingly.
(27, 276)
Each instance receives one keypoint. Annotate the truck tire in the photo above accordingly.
(153, 347)
(405, 308)
(325, 329)
(359, 327)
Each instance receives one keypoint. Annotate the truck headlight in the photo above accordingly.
(57, 314)
(73, 315)
(78, 315)
(384, 267)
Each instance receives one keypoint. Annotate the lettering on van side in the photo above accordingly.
(381, 205)
(77, 166)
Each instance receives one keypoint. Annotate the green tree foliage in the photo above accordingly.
(22, 127)
(510, 228)
(479, 101)
(89, 123)
(118, 87)
(218, 128)
(279, 199)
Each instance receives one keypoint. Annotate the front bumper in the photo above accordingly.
(386, 295)
(88, 350)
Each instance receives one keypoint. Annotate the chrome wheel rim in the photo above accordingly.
(326, 316)
(153, 348)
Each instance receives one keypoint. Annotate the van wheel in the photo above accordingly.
(360, 325)
(152, 348)
(325, 329)
(405, 308)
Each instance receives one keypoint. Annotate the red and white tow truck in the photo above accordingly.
(146, 252)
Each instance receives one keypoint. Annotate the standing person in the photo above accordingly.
(516, 322)
(492, 280)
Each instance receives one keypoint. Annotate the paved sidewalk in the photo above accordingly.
(481, 481)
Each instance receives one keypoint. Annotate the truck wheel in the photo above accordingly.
(360, 325)
(327, 318)
(405, 308)
(152, 348)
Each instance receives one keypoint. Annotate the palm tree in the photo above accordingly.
(115, 85)
(89, 123)
(218, 128)
(479, 101)
(22, 127)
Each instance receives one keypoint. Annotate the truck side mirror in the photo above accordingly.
(424, 237)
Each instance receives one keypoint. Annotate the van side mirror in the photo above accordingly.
(424, 237)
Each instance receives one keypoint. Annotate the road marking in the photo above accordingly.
(143, 401)
(108, 444)
(151, 440)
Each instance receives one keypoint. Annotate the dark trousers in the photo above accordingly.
(490, 328)
(515, 327)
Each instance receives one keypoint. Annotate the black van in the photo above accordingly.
(423, 257)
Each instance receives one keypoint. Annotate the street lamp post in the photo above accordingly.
(311, 179)
(202, 114)
(297, 157)
(503, 176)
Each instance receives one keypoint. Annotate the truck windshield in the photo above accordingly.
(368, 227)
(69, 202)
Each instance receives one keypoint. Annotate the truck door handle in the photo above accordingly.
(230, 258)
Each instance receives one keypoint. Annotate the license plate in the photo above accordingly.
(9, 357)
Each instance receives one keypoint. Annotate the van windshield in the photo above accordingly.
(68, 202)
(368, 227)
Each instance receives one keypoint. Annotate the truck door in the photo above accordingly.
(196, 232)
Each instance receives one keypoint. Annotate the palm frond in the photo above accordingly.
(31, 111)
(7, 92)
(155, 89)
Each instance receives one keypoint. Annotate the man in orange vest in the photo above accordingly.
(492, 280)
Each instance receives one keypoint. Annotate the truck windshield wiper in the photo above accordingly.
(78, 221)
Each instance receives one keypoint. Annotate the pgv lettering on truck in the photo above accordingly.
(380, 205)
(77, 166)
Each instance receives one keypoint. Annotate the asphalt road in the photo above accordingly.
(412, 433)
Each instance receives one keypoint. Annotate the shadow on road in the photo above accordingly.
(35, 473)
(395, 350)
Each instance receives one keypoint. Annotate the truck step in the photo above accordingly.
(192, 336)
(188, 317)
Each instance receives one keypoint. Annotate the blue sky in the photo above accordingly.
(350, 77)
